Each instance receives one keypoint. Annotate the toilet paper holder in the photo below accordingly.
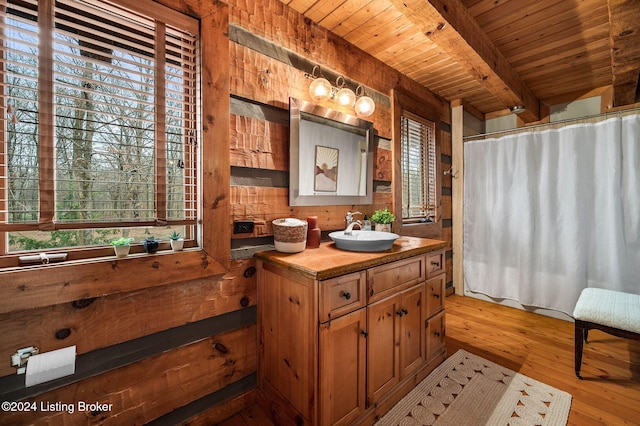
(20, 358)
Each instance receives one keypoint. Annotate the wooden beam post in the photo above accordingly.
(624, 17)
(457, 189)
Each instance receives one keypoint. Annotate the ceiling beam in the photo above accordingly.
(624, 30)
(448, 24)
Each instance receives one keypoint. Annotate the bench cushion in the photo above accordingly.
(611, 308)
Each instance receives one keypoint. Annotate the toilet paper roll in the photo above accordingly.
(50, 365)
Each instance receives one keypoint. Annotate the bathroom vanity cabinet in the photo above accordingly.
(344, 335)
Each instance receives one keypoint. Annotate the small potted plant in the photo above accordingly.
(383, 219)
(177, 242)
(151, 244)
(121, 246)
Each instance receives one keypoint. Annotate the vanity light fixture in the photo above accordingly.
(320, 90)
(364, 106)
(344, 95)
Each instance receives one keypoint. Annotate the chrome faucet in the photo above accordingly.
(349, 217)
(353, 223)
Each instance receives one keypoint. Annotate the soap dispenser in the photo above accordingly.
(367, 223)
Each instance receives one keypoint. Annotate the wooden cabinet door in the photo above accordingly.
(342, 368)
(383, 347)
(412, 337)
(435, 332)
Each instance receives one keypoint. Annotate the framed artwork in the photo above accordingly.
(326, 164)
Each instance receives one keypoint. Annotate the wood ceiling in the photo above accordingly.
(494, 54)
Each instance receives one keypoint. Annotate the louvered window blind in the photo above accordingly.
(101, 128)
(418, 170)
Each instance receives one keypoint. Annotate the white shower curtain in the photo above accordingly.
(549, 213)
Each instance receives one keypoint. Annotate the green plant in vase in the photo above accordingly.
(383, 219)
(176, 240)
(121, 246)
(151, 244)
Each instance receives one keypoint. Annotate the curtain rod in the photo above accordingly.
(565, 121)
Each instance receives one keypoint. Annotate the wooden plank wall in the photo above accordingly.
(185, 350)
(268, 67)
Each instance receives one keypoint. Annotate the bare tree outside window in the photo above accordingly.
(121, 127)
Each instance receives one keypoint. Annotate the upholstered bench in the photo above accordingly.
(613, 312)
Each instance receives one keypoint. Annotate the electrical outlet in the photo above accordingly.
(243, 227)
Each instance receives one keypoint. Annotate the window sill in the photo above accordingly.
(422, 229)
(29, 287)
(419, 224)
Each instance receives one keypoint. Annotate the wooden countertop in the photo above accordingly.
(327, 261)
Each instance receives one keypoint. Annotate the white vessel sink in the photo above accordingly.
(363, 240)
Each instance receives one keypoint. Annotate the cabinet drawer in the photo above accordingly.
(435, 294)
(435, 263)
(341, 295)
(384, 280)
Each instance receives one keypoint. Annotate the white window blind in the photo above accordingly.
(418, 170)
(102, 127)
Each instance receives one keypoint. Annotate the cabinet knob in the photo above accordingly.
(346, 295)
(436, 295)
(405, 311)
(437, 334)
(400, 313)
(436, 264)
(364, 333)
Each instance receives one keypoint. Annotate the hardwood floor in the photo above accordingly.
(542, 348)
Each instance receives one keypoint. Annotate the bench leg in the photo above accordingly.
(580, 337)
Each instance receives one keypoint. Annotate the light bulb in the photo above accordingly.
(364, 106)
(346, 97)
(320, 89)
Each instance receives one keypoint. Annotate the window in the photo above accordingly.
(100, 137)
(418, 165)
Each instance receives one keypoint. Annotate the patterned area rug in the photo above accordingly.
(468, 390)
